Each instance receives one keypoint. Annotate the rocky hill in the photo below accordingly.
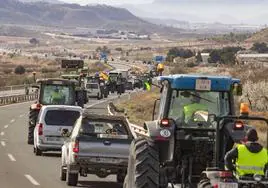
(43, 13)
(261, 36)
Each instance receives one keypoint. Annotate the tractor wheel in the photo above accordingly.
(143, 166)
(32, 122)
(205, 183)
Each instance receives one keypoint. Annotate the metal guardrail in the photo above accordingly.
(138, 130)
(17, 98)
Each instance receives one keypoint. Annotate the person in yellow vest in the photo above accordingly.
(190, 109)
(57, 97)
(249, 158)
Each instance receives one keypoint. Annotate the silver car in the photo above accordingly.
(94, 90)
(51, 122)
(98, 144)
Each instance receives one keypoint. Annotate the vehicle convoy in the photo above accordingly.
(98, 144)
(58, 91)
(190, 132)
(51, 121)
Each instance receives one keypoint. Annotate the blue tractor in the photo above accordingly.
(193, 126)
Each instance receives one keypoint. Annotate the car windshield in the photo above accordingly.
(92, 86)
(61, 117)
(189, 107)
(58, 94)
(100, 127)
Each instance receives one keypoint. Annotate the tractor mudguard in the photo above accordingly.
(35, 106)
(164, 137)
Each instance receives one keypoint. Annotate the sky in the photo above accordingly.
(225, 11)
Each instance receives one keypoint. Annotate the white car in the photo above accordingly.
(51, 122)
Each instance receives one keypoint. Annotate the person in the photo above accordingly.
(195, 105)
(56, 96)
(249, 158)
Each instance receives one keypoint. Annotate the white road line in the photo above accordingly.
(31, 179)
(11, 157)
(3, 143)
(2, 133)
(21, 115)
(13, 120)
(6, 126)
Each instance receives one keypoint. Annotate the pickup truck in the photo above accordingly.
(98, 144)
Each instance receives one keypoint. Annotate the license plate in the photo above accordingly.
(203, 85)
(53, 139)
(106, 160)
(228, 185)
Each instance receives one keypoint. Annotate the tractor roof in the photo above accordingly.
(188, 81)
(56, 81)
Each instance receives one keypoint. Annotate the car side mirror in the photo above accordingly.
(237, 89)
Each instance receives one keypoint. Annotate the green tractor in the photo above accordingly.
(190, 132)
(57, 91)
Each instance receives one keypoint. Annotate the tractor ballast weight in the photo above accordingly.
(178, 149)
(70, 96)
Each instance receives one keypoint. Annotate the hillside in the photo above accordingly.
(99, 16)
(261, 36)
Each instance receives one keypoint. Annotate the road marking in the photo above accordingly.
(13, 120)
(11, 157)
(6, 126)
(2, 133)
(21, 115)
(3, 143)
(31, 179)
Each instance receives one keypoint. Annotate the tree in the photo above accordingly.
(19, 69)
(199, 57)
(225, 55)
(260, 47)
(34, 41)
(119, 49)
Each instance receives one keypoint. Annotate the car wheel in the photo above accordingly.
(72, 178)
(62, 174)
(120, 178)
(38, 152)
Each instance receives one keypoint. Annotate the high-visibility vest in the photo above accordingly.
(191, 108)
(147, 86)
(250, 163)
(56, 95)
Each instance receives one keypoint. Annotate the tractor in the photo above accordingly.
(181, 143)
(70, 89)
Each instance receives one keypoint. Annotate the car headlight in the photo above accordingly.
(257, 177)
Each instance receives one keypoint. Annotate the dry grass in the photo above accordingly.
(140, 107)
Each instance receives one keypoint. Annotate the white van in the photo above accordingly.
(51, 122)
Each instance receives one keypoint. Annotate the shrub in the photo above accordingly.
(19, 69)
(260, 47)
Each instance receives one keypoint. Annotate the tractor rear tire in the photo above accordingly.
(143, 166)
(32, 122)
(205, 183)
